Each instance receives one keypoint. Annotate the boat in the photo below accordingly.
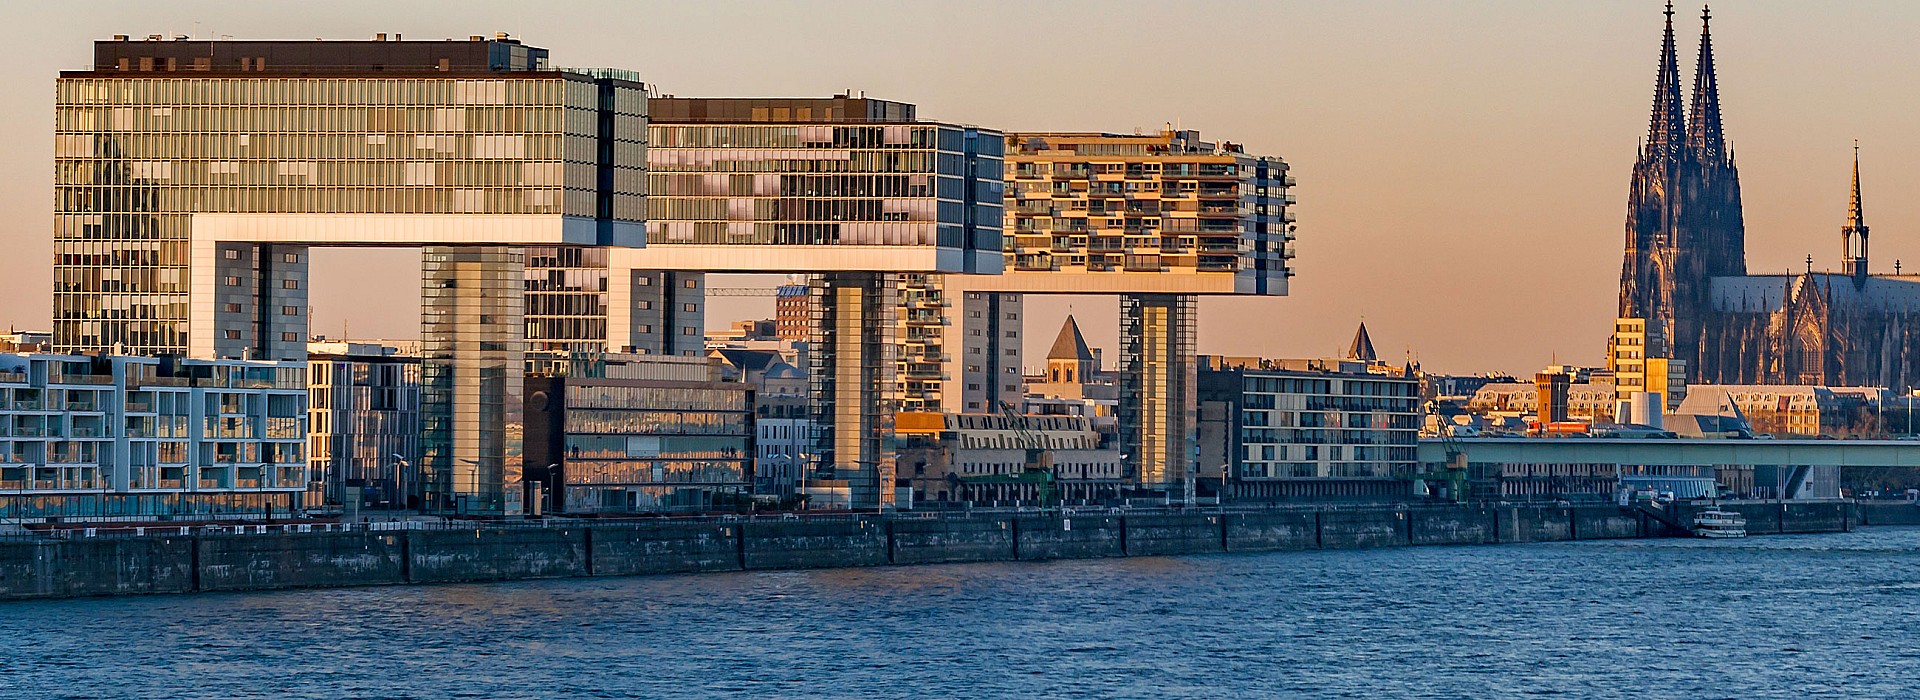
(1716, 524)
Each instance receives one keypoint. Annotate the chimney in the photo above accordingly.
(381, 36)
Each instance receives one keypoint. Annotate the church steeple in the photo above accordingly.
(1854, 260)
(1667, 134)
(1706, 136)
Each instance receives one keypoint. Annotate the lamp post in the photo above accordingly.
(393, 484)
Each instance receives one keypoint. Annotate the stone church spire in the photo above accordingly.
(1854, 258)
(1667, 134)
(1705, 135)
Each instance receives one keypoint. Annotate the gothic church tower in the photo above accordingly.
(1684, 224)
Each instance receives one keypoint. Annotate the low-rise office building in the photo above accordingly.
(782, 426)
(91, 437)
(638, 433)
(1306, 429)
(364, 414)
(1007, 459)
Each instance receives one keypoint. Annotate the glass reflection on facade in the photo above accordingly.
(137, 159)
(473, 356)
(191, 177)
(1158, 423)
(628, 445)
(365, 418)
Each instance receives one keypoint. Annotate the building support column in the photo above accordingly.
(854, 385)
(1156, 413)
(473, 364)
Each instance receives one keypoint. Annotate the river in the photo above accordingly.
(1782, 616)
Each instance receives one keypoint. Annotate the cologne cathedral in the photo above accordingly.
(1686, 270)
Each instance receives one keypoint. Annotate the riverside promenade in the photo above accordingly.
(189, 560)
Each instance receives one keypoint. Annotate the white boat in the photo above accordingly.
(1719, 524)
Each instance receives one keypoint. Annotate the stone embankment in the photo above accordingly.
(169, 561)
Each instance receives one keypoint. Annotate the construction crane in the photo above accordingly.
(741, 291)
(1453, 473)
(1037, 467)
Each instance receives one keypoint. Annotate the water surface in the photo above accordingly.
(1782, 616)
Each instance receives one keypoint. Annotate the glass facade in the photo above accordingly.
(824, 184)
(364, 414)
(190, 177)
(854, 382)
(631, 445)
(138, 159)
(473, 357)
(1158, 429)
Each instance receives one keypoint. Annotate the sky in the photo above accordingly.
(1463, 165)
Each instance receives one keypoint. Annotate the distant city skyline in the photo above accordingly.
(1463, 169)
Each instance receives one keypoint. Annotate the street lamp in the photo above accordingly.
(393, 493)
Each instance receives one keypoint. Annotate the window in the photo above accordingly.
(690, 284)
(290, 257)
(233, 308)
(230, 254)
(289, 284)
(289, 311)
(687, 331)
(689, 307)
(290, 337)
(232, 281)
(233, 335)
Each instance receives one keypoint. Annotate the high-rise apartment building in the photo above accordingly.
(1158, 219)
(192, 177)
(857, 192)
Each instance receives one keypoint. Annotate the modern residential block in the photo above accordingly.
(1306, 430)
(140, 437)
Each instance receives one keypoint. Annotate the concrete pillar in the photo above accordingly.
(1156, 412)
(243, 309)
(854, 385)
(985, 374)
(472, 343)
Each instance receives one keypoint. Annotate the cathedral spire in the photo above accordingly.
(1854, 261)
(1706, 135)
(1854, 218)
(1668, 132)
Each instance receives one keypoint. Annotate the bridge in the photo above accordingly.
(1524, 468)
(1676, 452)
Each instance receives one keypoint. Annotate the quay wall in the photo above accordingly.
(183, 563)
(1886, 513)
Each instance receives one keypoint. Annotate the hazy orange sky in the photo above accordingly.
(1463, 165)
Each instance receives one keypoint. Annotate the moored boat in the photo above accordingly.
(1717, 524)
